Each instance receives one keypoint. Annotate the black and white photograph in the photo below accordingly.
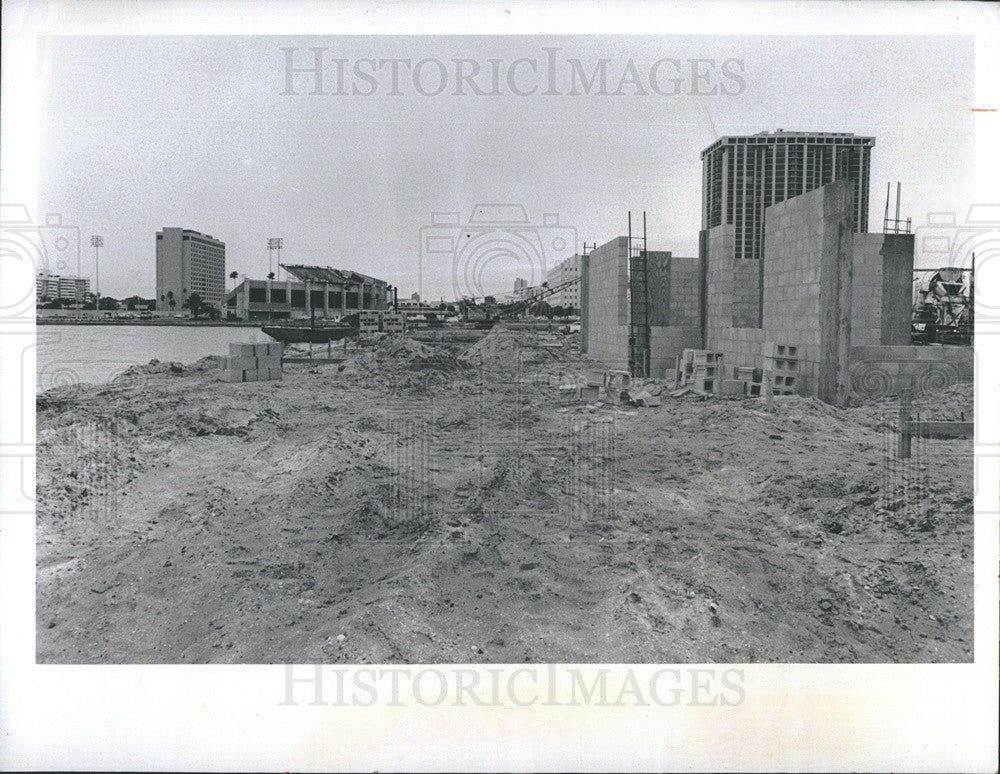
(439, 373)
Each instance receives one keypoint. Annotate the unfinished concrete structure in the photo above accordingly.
(839, 298)
(786, 277)
(609, 305)
(823, 286)
(743, 176)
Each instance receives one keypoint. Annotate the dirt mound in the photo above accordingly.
(504, 348)
(393, 512)
(401, 347)
(154, 366)
(360, 364)
(953, 403)
(393, 356)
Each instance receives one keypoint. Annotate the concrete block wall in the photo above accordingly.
(719, 275)
(742, 346)
(897, 288)
(746, 293)
(866, 291)
(674, 306)
(793, 248)
(666, 343)
(659, 287)
(806, 291)
(675, 310)
(685, 305)
(881, 301)
(606, 306)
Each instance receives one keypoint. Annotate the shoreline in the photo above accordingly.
(162, 323)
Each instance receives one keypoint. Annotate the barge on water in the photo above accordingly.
(312, 333)
(300, 334)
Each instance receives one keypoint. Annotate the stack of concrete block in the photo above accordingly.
(253, 362)
(752, 378)
(781, 362)
(700, 369)
(368, 321)
(394, 322)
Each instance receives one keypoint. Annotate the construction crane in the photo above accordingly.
(489, 311)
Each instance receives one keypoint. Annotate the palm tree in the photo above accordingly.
(195, 304)
(233, 275)
(270, 275)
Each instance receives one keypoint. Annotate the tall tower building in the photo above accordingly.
(188, 262)
(743, 175)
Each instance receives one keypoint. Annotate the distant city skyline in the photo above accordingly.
(200, 135)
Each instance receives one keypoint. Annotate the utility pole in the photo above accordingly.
(97, 242)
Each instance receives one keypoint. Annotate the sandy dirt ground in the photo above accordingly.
(436, 503)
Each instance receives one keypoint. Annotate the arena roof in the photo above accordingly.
(326, 274)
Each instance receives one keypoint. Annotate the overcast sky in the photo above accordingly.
(142, 133)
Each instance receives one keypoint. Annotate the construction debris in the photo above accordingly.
(699, 368)
(781, 363)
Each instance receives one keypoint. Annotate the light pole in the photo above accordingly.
(97, 242)
(274, 243)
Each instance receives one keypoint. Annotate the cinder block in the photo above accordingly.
(275, 349)
(268, 362)
(705, 385)
(274, 374)
(241, 350)
(730, 387)
(241, 363)
(251, 376)
(590, 392)
(232, 376)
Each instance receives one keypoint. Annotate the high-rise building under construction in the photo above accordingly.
(743, 175)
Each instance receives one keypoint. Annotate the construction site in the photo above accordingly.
(762, 453)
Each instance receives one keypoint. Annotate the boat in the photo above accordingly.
(301, 334)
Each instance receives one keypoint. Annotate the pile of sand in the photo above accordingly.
(505, 349)
(154, 366)
(402, 348)
(393, 356)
